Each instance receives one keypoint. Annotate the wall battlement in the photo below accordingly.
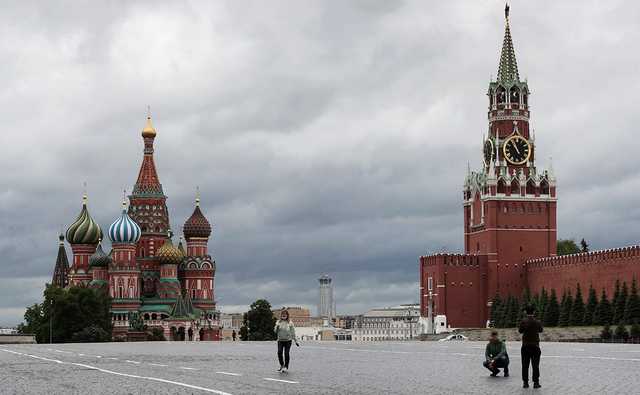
(472, 261)
(601, 256)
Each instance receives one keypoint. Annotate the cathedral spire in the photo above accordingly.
(60, 272)
(508, 67)
(148, 183)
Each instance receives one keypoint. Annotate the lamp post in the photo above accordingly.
(51, 321)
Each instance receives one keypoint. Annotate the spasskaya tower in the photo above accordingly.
(510, 203)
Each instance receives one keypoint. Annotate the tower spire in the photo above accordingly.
(508, 67)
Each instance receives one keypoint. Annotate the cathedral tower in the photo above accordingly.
(148, 208)
(124, 272)
(83, 235)
(197, 271)
(510, 204)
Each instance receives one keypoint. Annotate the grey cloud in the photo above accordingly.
(325, 136)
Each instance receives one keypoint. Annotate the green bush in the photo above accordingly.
(91, 334)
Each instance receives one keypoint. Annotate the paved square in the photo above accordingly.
(316, 368)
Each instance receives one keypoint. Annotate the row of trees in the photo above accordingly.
(569, 246)
(69, 315)
(570, 310)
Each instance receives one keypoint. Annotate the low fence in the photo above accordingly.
(17, 339)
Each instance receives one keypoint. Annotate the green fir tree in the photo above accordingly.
(514, 317)
(632, 307)
(621, 303)
(552, 311)
(576, 317)
(614, 303)
(542, 303)
(603, 314)
(592, 305)
(565, 310)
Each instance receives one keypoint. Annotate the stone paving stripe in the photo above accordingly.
(187, 368)
(81, 355)
(282, 381)
(66, 352)
(115, 359)
(158, 364)
(136, 362)
(153, 379)
(229, 374)
(195, 387)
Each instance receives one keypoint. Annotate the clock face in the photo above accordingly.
(517, 150)
(489, 152)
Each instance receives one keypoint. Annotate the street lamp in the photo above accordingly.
(51, 321)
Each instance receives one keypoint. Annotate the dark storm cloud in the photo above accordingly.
(326, 137)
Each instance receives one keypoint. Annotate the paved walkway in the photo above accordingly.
(317, 368)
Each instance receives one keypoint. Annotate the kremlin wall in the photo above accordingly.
(510, 226)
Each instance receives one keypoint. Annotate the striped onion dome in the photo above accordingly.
(84, 230)
(168, 254)
(124, 229)
(99, 258)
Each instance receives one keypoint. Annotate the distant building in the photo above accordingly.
(230, 322)
(345, 321)
(300, 316)
(391, 323)
(326, 304)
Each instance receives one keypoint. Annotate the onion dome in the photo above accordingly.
(197, 225)
(99, 258)
(149, 130)
(168, 254)
(124, 229)
(84, 230)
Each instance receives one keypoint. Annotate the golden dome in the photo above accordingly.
(149, 130)
(169, 254)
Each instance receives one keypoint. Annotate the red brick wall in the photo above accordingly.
(460, 284)
(599, 269)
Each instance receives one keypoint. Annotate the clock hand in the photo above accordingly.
(516, 147)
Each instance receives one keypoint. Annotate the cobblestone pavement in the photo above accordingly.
(316, 368)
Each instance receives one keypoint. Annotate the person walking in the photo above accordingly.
(285, 334)
(530, 351)
(233, 335)
(496, 356)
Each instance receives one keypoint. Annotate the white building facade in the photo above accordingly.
(388, 324)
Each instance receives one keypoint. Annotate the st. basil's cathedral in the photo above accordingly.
(148, 279)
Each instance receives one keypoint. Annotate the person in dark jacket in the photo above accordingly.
(496, 356)
(530, 351)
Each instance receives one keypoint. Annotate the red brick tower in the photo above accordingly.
(510, 204)
(197, 271)
(149, 210)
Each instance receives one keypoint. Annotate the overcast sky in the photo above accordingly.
(326, 137)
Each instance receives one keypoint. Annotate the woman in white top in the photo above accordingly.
(286, 334)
